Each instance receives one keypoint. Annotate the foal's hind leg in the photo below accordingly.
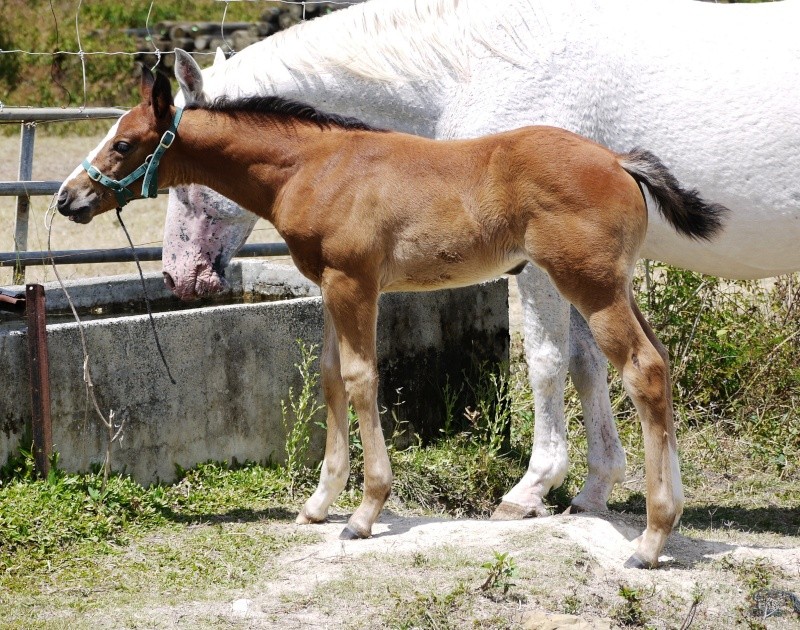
(353, 304)
(631, 346)
(336, 465)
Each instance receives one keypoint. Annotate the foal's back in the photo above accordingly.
(428, 214)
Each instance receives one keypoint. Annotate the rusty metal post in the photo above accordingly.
(23, 201)
(39, 368)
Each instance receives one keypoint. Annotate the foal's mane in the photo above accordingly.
(283, 108)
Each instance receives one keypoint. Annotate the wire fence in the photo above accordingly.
(78, 37)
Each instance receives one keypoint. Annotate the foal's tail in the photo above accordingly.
(684, 209)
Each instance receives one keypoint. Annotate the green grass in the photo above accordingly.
(40, 518)
(211, 528)
(170, 565)
(66, 546)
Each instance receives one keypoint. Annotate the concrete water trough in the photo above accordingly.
(233, 362)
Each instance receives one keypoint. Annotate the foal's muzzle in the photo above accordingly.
(77, 210)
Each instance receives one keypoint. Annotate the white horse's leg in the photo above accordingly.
(546, 330)
(589, 370)
(336, 465)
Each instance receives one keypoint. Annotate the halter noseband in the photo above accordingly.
(149, 169)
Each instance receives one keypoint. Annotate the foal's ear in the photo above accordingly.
(189, 76)
(156, 91)
(162, 97)
(146, 85)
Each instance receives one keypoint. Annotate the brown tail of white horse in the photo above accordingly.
(684, 209)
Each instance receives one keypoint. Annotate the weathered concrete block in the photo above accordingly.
(233, 364)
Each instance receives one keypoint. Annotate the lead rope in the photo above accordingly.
(146, 298)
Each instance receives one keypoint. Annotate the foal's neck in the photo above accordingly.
(244, 157)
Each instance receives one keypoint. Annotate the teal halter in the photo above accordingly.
(149, 169)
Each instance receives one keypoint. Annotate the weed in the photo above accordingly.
(304, 408)
(572, 604)
(734, 348)
(753, 574)
(762, 601)
(630, 612)
(460, 476)
(450, 398)
(419, 560)
(501, 571)
(697, 598)
(430, 611)
(774, 603)
(356, 449)
(20, 467)
(490, 420)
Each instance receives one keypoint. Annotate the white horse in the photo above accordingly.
(714, 90)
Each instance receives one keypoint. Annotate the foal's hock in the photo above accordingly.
(365, 211)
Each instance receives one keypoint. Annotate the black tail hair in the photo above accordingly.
(684, 209)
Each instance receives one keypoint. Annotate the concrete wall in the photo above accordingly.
(233, 364)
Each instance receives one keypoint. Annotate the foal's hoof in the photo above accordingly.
(348, 533)
(507, 511)
(635, 562)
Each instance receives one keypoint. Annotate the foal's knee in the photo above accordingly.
(331, 372)
(360, 382)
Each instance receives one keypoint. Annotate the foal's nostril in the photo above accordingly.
(63, 200)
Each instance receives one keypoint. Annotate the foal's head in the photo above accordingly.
(101, 182)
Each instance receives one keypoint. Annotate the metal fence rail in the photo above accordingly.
(29, 188)
(28, 115)
(25, 188)
(123, 254)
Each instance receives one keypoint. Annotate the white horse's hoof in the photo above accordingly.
(508, 511)
(578, 507)
(304, 519)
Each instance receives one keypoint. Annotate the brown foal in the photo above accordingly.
(365, 211)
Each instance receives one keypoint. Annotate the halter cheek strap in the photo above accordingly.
(148, 170)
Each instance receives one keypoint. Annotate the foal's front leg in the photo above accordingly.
(336, 465)
(353, 305)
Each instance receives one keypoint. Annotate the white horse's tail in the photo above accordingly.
(684, 209)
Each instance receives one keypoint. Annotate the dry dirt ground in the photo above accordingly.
(423, 572)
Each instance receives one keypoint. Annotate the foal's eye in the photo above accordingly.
(122, 147)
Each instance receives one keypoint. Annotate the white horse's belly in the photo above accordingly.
(752, 245)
